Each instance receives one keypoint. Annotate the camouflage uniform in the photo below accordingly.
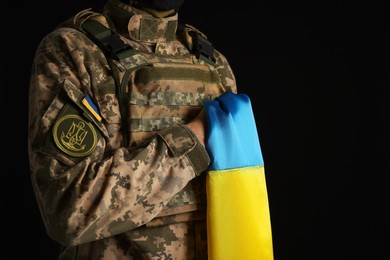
(102, 195)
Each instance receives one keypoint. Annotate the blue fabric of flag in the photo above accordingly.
(232, 140)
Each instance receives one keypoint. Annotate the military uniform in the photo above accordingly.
(116, 173)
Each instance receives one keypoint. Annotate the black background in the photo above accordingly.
(318, 77)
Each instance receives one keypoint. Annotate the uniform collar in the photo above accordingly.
(140, 25)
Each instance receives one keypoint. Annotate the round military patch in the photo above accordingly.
(74, 136)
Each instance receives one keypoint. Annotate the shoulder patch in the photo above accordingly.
(74, 135)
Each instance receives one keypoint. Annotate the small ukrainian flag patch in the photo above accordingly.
(87, 102)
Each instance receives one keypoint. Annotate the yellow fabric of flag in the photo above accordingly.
(238, 215)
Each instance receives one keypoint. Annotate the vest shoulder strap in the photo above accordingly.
(197, 42)
(96, 27)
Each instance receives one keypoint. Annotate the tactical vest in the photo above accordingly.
(175, 104)
(155, 91)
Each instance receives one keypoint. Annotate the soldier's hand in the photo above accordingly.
(198, 126)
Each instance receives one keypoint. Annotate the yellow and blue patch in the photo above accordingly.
(87, 102)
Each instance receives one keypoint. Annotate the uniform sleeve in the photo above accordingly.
(84, 190)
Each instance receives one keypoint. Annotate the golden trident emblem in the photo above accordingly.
(73, 139)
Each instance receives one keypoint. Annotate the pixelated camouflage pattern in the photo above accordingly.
(148, 29)
(141, 200)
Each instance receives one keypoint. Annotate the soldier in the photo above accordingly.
(117, 132)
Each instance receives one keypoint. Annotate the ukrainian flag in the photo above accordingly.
(238, 218)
